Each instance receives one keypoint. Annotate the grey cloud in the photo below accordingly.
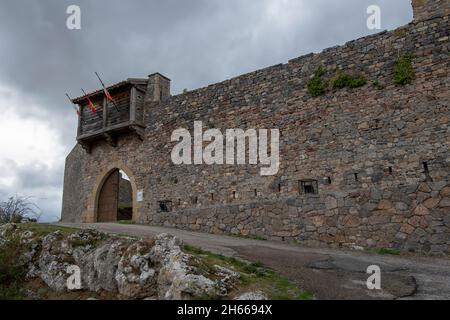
(39, 182)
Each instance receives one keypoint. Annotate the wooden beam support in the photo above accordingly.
(111, 139)
(105, 112)
(133, 104)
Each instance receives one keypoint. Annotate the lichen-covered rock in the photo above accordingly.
(227, 279)
(7, 229)
(136, 275)
(99, 267)
(54, 260)
(176, 279)
(130, 268)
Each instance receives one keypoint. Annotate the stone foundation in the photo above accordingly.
(414, 218)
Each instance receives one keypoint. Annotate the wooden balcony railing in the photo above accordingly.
(111, 119)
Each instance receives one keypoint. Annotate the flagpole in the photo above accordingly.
(77, 110)
(84, 92)
(104, 88)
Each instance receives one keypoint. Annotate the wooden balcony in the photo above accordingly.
(125, 115)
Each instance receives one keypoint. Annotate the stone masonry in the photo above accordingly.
(377, 156)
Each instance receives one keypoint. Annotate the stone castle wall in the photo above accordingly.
(426, 9)
(380, 154)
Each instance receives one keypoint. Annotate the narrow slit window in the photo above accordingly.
(256, 192)
(426, 168)
(390, 170)
(194, 200)
(356, 177)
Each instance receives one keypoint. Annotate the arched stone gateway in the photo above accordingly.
(115, 200)
(115, 196)
(108, 198)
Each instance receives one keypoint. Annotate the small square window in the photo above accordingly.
(165, 206)
(309, 187)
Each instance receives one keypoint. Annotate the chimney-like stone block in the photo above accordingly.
(428, 9)
(158, 88)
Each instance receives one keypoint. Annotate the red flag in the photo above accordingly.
(91, 106)
(108, 96)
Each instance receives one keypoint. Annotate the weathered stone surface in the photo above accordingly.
(445, 203)
(407, 228)
(421, 210)
(445, 192)
(136, 274)
(431, 203)
(176, 280)
(331, 203)
(385, 204)
(54, 261)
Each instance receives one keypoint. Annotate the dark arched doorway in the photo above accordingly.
(115, 201)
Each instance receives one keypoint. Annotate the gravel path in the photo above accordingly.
(329, 274)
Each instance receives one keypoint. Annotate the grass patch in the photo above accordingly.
(12, 272)
(317, 86)
(84, 243)
(403, 70)
(254, 276)
(43, 229)
(394, 252)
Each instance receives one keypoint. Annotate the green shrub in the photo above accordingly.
(12, 271)
(394, 252)
(344, 80)
(358, 81)
(317, 86)
(403, 70)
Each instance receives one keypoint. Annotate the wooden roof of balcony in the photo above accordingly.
(131, 81)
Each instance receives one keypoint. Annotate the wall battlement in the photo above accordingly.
(379, 154)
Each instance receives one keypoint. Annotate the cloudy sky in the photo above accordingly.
(193, 42)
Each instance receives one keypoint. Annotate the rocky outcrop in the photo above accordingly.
(133, 269)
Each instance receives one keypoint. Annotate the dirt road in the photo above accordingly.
(329, 274)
